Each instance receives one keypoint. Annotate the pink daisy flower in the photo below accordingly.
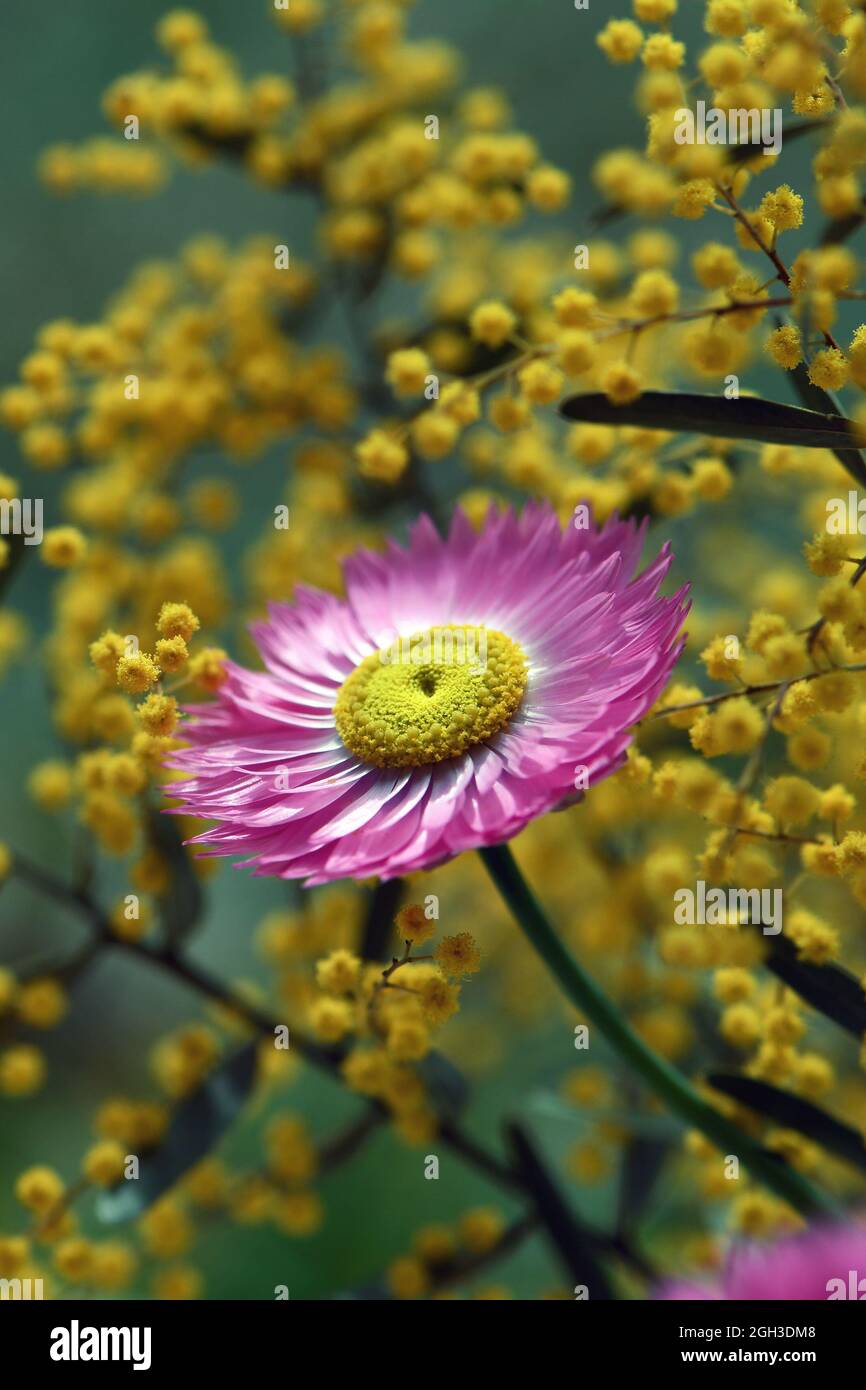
(464, 686)
(823, 1263)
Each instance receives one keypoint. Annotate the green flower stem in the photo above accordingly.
(664, 1080)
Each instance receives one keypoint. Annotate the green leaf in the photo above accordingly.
(447, 1087)
(642, 1163)
(227, 146)
(197, 1125)
(17, 553)
(545, 1105)
(794, 1113)
(749, 417)
(603, 216)
(742, 154)
(462, 1266)
(842, 228)
(574, 1245)
(831, 990)
(378, 934)
(816, 398)
(180, 907)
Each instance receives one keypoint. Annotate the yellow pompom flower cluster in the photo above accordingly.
(747, 773)
(439, 1254)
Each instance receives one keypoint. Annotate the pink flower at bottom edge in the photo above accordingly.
(800, 1268)
(431, 760)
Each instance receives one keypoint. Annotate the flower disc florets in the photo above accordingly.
(431, 696)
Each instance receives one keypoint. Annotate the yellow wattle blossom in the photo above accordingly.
(63, 546)
(249, 419)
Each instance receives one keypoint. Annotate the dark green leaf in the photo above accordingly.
(227, 146)
(828, 988)
(17, 553)
(574, 1245)
(351, 1140)
(464, 1265)
(446, 1086)
(378, 934)
(181, 906)
(603, 216)
(642, 1164)
(197, 1125)
(842, 228)
(769, 422)
(816, 398)
(794, 1113)
(741, 154)
(654, 1125)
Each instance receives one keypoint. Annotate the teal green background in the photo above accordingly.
(64, 258)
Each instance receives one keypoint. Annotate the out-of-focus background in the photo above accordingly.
(64, 257)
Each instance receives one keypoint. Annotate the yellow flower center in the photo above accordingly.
(430, 696)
